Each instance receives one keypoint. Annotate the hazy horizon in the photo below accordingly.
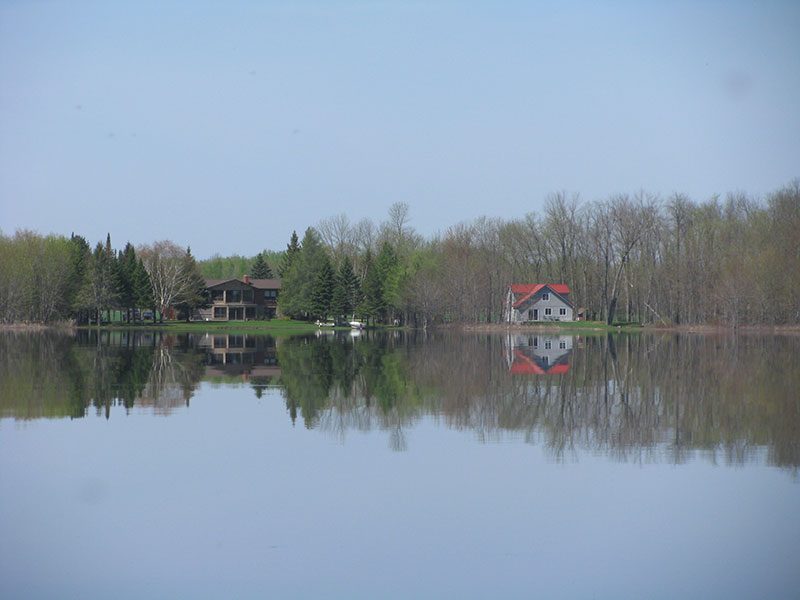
(227, 127)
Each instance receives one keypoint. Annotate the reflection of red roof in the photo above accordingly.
(524, 291)
(525, 365)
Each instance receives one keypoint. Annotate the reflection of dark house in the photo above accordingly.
(537, 302)
(240, 299)
(538, 354)
(245, 355)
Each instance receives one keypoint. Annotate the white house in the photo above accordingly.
(538, 302)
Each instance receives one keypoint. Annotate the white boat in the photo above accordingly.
(356, 324)
(325, 323)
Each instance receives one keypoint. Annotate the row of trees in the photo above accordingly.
(52, 278)
(318, 284)
(626, 258)
(634, 258)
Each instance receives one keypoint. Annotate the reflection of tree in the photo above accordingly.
(732, 399)
(341, 385)
(173, 377)
(47, 374)
(639, 397)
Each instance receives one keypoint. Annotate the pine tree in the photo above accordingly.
(260, 269)
(193, 294)
(99, 291)
(347, 291)
(292, 251)
(372, 302)
(322, 291)
(298, 282)
(124, 275)
(81, 257)
(143, 289)
(389, 274)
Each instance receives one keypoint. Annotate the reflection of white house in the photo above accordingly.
(537, 302)
(538, 354)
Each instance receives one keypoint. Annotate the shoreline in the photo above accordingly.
(290, 327)
(597, 327)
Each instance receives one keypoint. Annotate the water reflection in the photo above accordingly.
(539, 354)
(732, 399)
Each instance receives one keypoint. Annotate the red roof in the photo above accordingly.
(524, 291)
(525, 365)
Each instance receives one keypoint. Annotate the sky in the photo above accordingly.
(226, 125)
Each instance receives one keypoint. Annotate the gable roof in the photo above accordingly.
(525, 291)
(266, 284)
(525, 365)
(261, 284)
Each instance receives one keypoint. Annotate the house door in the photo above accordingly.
(535, 314)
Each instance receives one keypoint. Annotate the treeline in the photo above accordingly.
(44, 279)
(627, 258)
(263, 265)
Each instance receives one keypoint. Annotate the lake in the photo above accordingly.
(399, 465)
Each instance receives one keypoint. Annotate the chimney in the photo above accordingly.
(247, 279)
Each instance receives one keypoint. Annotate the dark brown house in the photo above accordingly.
(240, 299)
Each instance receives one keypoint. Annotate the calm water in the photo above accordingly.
(216, 466)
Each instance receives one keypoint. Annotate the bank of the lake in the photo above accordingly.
(590, 327)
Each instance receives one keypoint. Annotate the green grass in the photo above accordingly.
(586, 326)
(272, 327)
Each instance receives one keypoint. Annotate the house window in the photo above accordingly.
(247, 296)
(562, 311)
(530, 315)
(217, 295)
(562, 345)
(270, 293)
(548, 344)
(234, 295)
(548, 312)
(546, 296)
(220, 312)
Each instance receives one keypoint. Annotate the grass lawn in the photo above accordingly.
(272, 327)
(566, 326)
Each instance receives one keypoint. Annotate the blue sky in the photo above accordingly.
(227, 125)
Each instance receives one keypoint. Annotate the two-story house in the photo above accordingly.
(532, 302)
(240, 299)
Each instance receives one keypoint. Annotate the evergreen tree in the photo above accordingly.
(193, 295)
(260, 269)
(322, 291)
(292, 251)
(388, 268)
(347, 291)
(125, 284)
(298, 282)
(372, 302)
(99, 291)
(143, 289)
(80, 259)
